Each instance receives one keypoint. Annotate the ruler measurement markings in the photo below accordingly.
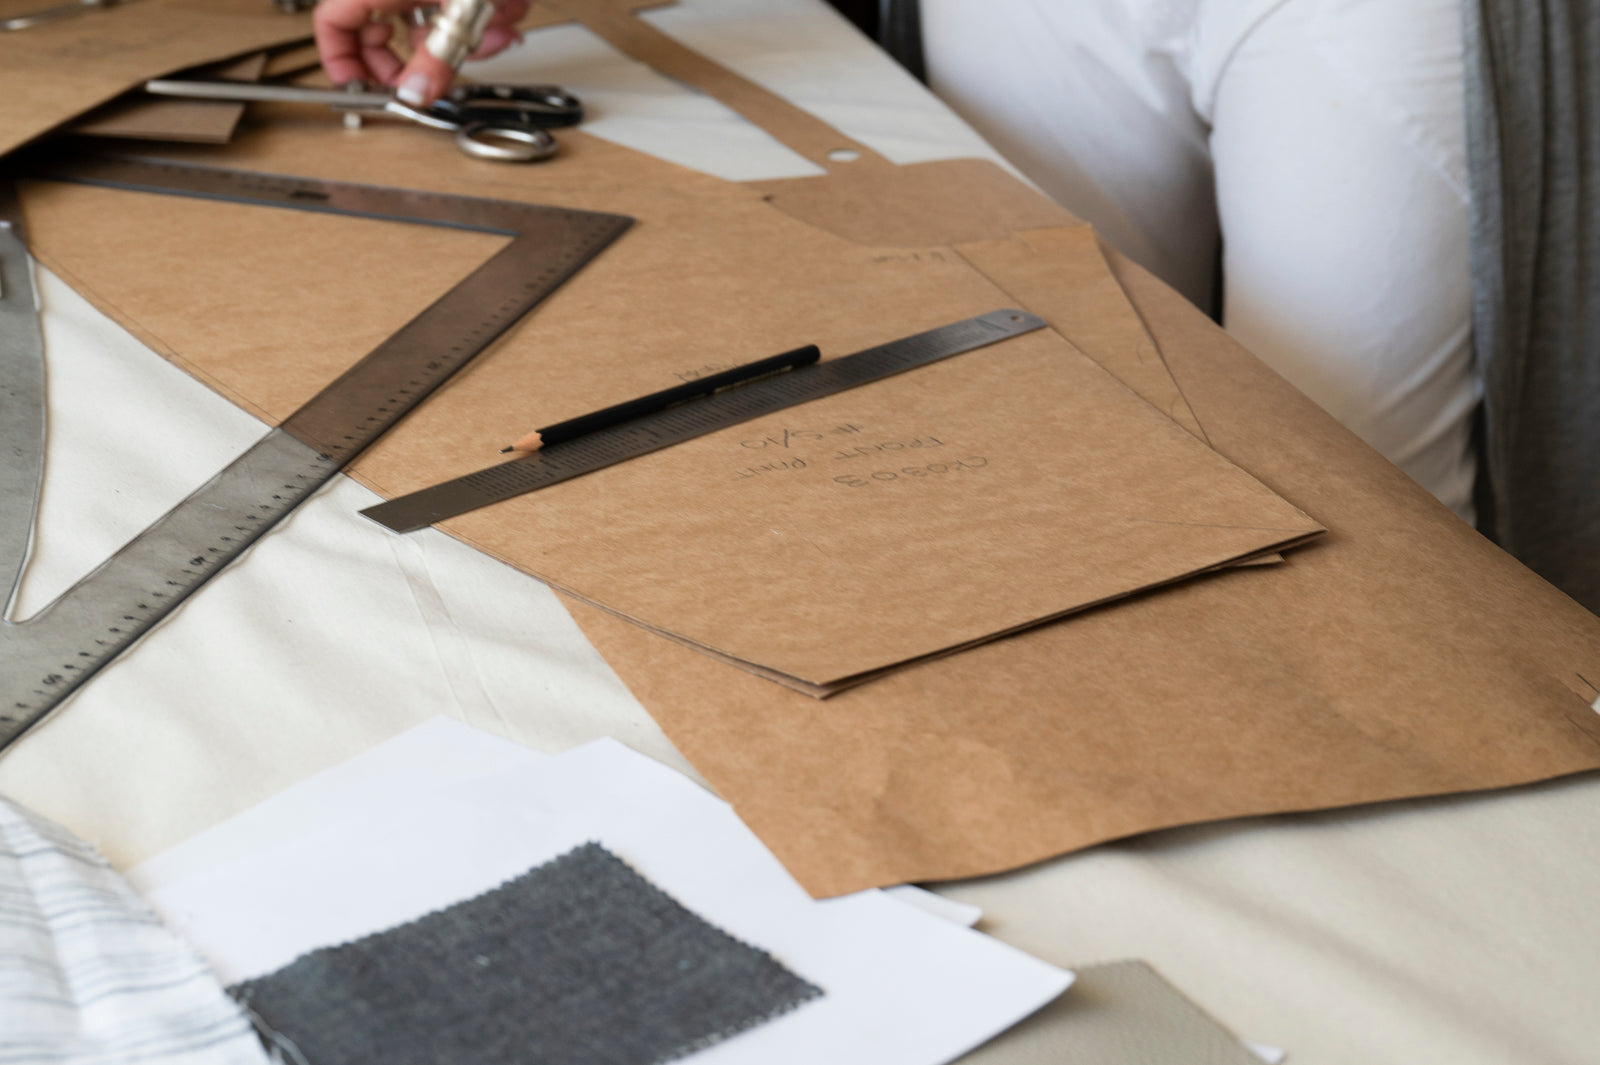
(305, 194)
(140, 584)
(606, 447)
(48, 656)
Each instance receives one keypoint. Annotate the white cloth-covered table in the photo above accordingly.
(1458, 930)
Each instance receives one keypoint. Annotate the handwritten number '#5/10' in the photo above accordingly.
(932, 469)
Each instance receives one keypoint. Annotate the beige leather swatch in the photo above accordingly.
(1120, 1013)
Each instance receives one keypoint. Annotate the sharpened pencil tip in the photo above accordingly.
(532, 442)
(508, 449)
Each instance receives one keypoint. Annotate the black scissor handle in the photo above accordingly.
(524, 106)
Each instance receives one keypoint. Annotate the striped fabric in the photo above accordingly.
(89, 975)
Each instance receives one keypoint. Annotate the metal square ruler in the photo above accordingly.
(45, 658)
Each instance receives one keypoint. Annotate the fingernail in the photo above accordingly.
(414, 90)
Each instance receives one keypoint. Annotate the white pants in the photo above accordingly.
(1321, 141)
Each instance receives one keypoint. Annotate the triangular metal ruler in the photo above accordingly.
(45, 658)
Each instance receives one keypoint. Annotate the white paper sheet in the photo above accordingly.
(1270, 1055)
(443, 813)
(437, 752)
(961, 913)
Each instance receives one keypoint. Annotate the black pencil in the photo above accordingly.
(669, 397)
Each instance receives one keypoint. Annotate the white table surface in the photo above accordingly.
(1460, 930)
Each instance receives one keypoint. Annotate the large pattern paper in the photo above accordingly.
(1399, 655)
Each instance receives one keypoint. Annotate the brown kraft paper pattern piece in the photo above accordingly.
(142, 117)
(1399, 655)
(54, 72)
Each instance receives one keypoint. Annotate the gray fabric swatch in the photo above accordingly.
(580, 961)
(1533, 155)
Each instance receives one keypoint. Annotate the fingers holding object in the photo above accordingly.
(354, 47)
(502, 31)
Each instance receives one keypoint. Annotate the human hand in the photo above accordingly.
(355, 48)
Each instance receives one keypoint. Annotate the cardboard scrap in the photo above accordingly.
(1400, 655)
(141, 117)
(200, 121)
(56, 71)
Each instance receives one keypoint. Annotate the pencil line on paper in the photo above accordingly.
(1182, 395)
(1586, 733)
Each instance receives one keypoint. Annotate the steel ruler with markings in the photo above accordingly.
(45, 658)
(606, 447)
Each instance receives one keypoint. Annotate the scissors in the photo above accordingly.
(510, 123)
(50, 14)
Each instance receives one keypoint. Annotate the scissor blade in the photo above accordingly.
(29, 19)
(22, 400)
(255, 92)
